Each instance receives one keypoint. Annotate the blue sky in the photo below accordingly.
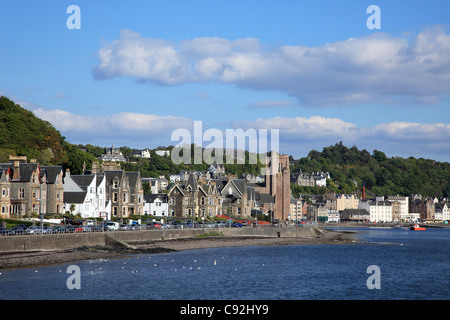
(138, 70)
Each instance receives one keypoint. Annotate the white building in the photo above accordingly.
(156, 205)
(113, 154)
(378, 210)
(442, 211)
(400, 207)
(145, 153)
(87, 194)
(163, 153)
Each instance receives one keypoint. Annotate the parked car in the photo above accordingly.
(112, 225)
(59, 229)
(33, 230)
(153, 225)
(123, 227)
(97, 228)
(47, 230)
(236, 224)
(70, 229)
(18, 229)
(4, 231)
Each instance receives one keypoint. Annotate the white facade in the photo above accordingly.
(156, 205)
(402, 204)
(163, 153)
(378, 210)
(145, 153)
(88, 194)
(442, 213)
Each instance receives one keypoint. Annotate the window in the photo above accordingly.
(21, 193)
(115, 197)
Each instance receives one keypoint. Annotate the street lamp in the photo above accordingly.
(42, 216)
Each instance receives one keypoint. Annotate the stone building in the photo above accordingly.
(55, 188)
(124, 190)
(5, 189)
(28, 188)
(277, 184)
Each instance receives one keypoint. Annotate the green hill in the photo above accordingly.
(349, 168)
(24, 134)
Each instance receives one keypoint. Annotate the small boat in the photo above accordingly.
(416, 227)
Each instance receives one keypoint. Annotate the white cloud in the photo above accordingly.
(299, 135)
(376, 68)
(132, 129)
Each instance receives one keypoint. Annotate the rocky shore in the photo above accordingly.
(54, 257)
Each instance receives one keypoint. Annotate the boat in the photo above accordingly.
(416, 227)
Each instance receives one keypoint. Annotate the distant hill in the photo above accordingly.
(24, 134)
(349, 168)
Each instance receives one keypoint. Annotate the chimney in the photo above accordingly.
(364, 191)
(16, 173)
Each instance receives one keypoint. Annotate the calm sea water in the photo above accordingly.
(413, 265)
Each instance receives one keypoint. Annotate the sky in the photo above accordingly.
(132, 72)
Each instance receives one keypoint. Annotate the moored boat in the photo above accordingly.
(416, 227)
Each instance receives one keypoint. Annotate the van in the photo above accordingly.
(112, 225)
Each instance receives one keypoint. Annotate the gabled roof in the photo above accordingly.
(132, 178)
(83, 181)
(75, 197)
(111, 174)
(177, 186)
(191, 182)
(150, 198)
(52, 172)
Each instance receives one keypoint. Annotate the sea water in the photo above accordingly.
(413, 265)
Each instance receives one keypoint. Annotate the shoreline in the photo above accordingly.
(55, 257)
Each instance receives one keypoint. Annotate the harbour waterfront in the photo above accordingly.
(413, 266)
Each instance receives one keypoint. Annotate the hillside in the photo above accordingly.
(349, 168)
(24, 134)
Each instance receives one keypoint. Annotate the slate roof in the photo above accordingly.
(152, 197)
(74, 197)
(83, 181)
(51, 173)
